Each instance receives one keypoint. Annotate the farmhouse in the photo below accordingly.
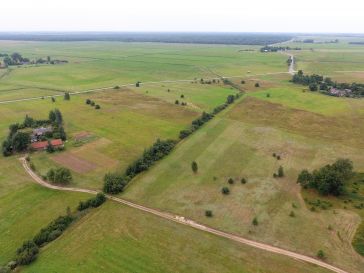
(42, 145)
(39, 132)
(339, 92)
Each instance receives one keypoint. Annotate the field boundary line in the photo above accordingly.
(184, 221)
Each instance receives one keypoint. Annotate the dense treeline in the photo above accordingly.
(197, 123)
(327, 86)
(18, 141)
(17, 59)
(278, 48)
(163, 37)
(95, 202)
(115, 183)
(29, 250)
(329, 179)
(205, 117)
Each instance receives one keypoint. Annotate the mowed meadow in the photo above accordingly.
(307, 130)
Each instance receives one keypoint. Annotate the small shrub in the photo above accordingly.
(257, 84)
(208, 213)
(225, 190)
(176, 102)
(53, 99)
(194, 166)
(242, 82)
(182, 96)
(243, 181)
(231, 181)
(92, 103)
(268, 95)
(280, 171)
(275, 175)
(255, 221)
(278, 157)
(27, 158)
(274, 154)
(292, 214)
(97, 107)
(88, 101)
(321, 254)
(117, 87)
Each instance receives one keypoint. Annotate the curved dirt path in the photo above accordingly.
(182, 220)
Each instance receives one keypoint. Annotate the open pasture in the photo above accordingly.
(239, 144)
(124, 240)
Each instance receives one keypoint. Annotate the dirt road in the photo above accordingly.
(184, 221)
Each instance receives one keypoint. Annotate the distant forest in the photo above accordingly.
(160, 37)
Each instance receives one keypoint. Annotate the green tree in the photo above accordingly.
(255, 221)
(67, 96)
(225, 190)
(51, 175)
(194, 167)
(321, 254)
(50, 148)
(62, 176)
(208, 213)
(280, 171)
(52, 116)
(20, 141)
(231, 181)
(113, 183)
(243, 181)
(257, 84)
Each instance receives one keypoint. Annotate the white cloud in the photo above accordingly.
(187, 15)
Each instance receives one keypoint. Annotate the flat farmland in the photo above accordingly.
(240, 144)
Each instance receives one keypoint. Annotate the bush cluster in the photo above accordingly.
(196, 124)
(115, 183)
(93, 104)
(59, 175)
(53, 230)
(94, 202)
(329, 179)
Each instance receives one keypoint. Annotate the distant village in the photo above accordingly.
(18, 59)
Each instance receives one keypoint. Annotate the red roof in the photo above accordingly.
(56, 142)
(43, 144)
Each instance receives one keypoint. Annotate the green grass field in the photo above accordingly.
(120, 242)
(306, 129)
(239, 144)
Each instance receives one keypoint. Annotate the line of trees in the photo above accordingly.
(329, 179)
(94, 202)
(278, 48)
(17, 59)
(29, 250)
(205, 117)
(324, 84)
(115, 183)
